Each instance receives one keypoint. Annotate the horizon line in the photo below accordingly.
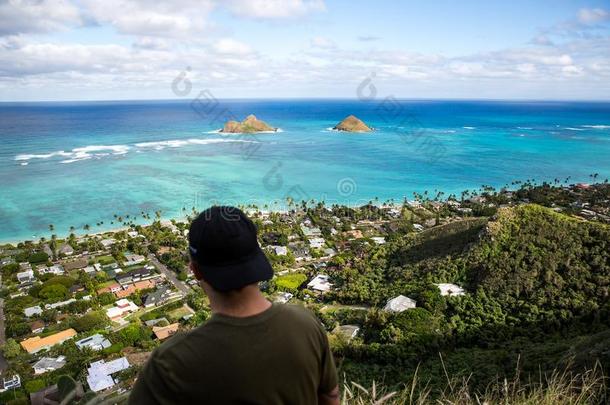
(190, 99)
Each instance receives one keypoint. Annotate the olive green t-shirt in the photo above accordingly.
(280, 356)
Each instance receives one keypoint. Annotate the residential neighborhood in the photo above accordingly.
(93, 307)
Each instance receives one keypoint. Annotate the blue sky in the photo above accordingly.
(134, 49)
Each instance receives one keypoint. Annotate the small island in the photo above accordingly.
(249, 126)
(352, 124)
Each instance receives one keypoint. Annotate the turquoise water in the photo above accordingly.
(71, 164)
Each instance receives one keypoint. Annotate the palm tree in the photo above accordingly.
(51, 227)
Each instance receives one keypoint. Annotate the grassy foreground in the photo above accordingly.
(559, 387)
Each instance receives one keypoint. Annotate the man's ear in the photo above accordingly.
(195, 270)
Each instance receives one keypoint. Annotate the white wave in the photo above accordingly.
(41, 156)
(596, 126)
(574, 129)
(526, 128)
(24, 163)
(177, 143)
(101, 151)
(214, 131)
(469, 127)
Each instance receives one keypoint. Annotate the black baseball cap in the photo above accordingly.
(222, 241)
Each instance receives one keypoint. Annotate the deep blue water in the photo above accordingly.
(71, 164)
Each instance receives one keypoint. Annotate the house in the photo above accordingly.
(133, 234)
(347, 331)
(310, 232)
(399, 304)
(380, 240)
(99, 373)
(279, 250)
(163, 332)
(316, 243)
(136, 275)
(47, 249)
(418, 227)
(450, 289)
(10, 383)
(414, 204)
(94, 342)
(106, 243)
(60, 304)
(37, 326)
(133, 259)
(26, 276)
(31, 311)
(158, 297)
(56, 269)
(120, 308)
(112, 288)
(76, 264)
(90, 270)
(127, 290)
(320, 283)
(66, 250)
(153, 322)
(46, 364)
(283, 297)
(36, 343)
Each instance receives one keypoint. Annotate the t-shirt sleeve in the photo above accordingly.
(329, 379)
(153, 385)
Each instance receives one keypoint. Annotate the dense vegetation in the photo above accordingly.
(537, 281)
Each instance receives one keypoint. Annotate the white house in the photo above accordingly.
(451, 290)
(46, 364)
(320, 283)
(95, 342)
(106, 243)
(66, 250)
(399, 304)
(280, 250)
(380, 240)
(418, 227)
(283, 297)
(316, 243)
(56, 269)
(25, 276)
(10, 383)
(31, 311)
(60, 304)
(120, 308)
(99, 373)
(132, 259)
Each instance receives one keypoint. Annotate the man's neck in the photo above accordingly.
(248, 302)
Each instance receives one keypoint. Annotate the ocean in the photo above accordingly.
(77, 163)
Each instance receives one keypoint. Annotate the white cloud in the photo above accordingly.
(231, 46)
(275, 9)
(593, 15)
(177, 19)
(35, 16)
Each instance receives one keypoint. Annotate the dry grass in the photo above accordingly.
(558, 387)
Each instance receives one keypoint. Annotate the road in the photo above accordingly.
(171, 276)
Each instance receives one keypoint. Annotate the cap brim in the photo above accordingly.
(235, 276)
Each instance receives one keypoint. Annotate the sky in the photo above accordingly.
(438, 49)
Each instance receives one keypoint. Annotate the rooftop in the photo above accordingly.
(36, 343)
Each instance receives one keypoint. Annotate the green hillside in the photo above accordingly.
(537, 300)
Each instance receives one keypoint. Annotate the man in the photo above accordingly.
(250, 351)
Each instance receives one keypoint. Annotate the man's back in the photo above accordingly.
(280, 356)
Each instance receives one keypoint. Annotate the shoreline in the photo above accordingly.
(271, 208)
